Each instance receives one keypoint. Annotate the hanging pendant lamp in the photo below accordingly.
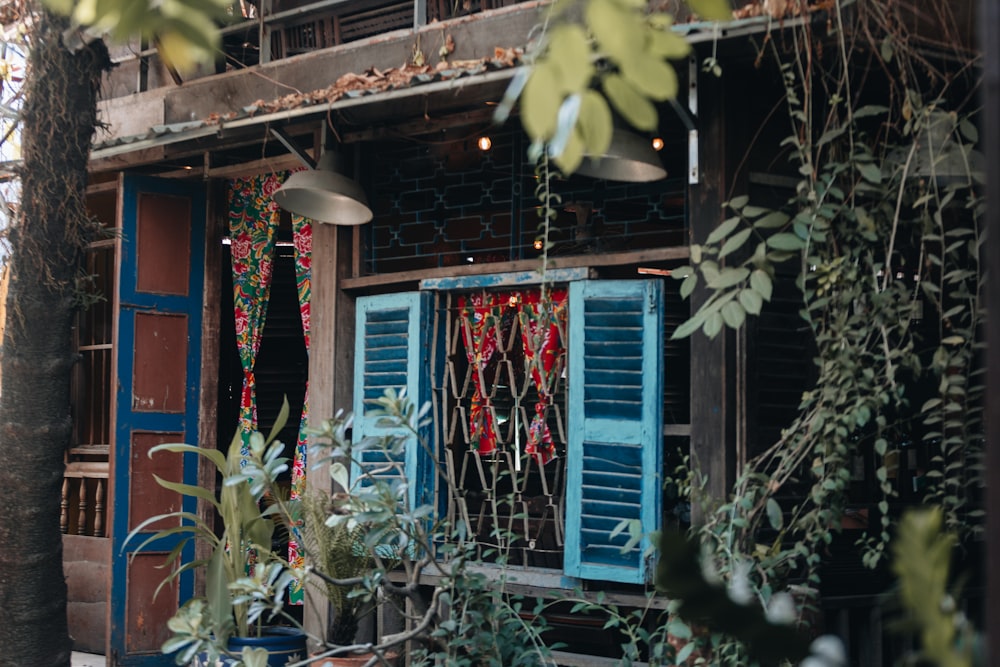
(629, 158)
(324, 194)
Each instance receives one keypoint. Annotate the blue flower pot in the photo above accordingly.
(283, 645)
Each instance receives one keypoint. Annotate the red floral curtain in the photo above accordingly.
(302, 237)
(543, 325)
(481, 315)
(542, 319)
(253, 223)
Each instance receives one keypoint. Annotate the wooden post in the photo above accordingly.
(322, 381)
(989, 25)
(716, 399)
(208, 408)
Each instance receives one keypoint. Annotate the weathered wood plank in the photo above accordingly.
(610, 259)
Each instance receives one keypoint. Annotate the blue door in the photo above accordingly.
(157, 374)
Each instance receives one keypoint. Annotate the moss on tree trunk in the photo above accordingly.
(47, 240)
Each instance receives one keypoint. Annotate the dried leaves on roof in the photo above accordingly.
(780, 9)
(374, 80)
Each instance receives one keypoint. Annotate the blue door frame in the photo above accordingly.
(158, 374)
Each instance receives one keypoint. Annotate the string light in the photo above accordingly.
(484, 143)
(657, 143)
(538, 244)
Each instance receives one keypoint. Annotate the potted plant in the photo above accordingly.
(244, 579)
(353, 540)
(339, 553)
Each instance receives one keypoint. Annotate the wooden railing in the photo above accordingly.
(84, 498)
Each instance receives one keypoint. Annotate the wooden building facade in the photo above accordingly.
(453, 241)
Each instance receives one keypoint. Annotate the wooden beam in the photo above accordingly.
(423, 126)
(674, 253)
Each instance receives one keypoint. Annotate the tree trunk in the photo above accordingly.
(47, 240)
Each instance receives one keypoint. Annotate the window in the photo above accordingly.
(603, 408)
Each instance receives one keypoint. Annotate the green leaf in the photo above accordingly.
(710, 271)
(772, 220)
(652, 77)
(723, 230)
(637, 110)
(713, 325)
(540, 102)
(665, 43)
(736, 203)
(678, 628)
(733, 315)
(754, 211)
(728, 277)
(751, 301)
(712, 10)
(572, 154)
(681, 272)
(830, 135)
(619, 31)
(688, 327)
(871, 110)
(969, 131)
(688, 285)
(340, 475)
(760, 282)
(885, 49)
(594, 123)
(774, 515)
(735, 242)
(785, 241)
(569, 51)
(930, 404)
(870, 172)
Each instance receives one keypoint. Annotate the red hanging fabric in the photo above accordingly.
(481, 314)
(543, 321)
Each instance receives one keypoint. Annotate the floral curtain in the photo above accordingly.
(481, 315)
(542, 318)
(543, 323)
(253, 224)
(302, 237)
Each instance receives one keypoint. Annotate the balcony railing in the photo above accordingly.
(84, 498)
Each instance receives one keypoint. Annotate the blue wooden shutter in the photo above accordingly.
(392, 352)
(615, 449)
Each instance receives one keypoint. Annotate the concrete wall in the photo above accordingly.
(85, 564)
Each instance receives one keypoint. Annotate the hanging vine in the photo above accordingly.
(885, 231)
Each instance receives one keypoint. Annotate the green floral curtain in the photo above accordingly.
(302, 236)
(253, 225)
